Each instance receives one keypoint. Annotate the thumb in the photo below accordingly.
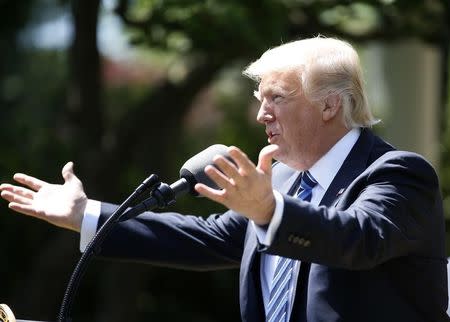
(265, 158)
(67, 171)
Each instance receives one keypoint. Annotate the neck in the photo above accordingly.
(323, 144)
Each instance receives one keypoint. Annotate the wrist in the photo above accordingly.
(78, 215)
(264, 215)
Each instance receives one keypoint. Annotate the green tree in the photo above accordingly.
(56, 107)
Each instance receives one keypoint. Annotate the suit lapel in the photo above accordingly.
(285, 180)
(353, 166)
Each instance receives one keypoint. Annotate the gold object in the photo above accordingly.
(6, 315)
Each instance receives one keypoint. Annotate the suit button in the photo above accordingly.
(290, 238)
(301, 241)
(295, 240)
(307, 243)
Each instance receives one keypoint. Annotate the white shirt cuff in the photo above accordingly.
(89, 223)
(266, 234)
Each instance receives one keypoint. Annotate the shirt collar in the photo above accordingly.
(326, 168)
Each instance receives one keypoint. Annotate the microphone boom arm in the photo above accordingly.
(149, 184)
(162, 197)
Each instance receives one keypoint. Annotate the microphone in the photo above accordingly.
(191, 173)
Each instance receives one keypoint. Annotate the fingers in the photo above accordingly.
(16, 196)
(243, 168)
(243, 162)
(246, 188)
(226, 166)
(20, 199)
(215, 195)
(29, 181)
(218, 177)
(21, 191)
(24, 209)
(265, 158)
(11, 197)
(67, 171)
(244, 165)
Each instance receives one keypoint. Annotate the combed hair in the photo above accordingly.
(326, 66)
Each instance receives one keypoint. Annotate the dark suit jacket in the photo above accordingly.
(372, 251)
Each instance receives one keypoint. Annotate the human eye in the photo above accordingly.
(276, 98)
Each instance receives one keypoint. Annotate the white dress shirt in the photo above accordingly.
(324, 171)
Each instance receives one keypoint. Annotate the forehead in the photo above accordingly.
(288, 80)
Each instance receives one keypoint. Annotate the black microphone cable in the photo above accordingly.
(148, 184)
(162, 195)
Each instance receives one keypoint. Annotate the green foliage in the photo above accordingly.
(213, 27)
(216, 26)
(196, 49)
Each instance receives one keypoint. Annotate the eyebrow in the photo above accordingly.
(272, 88)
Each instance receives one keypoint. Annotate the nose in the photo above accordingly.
(265, 114)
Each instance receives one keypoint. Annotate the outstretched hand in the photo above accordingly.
(246, 188)
(61, 205)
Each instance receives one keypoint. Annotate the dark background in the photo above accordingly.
(120, 114)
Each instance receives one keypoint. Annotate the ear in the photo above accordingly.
(331, 108)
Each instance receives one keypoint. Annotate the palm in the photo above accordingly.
(57, 201)
(62, 205)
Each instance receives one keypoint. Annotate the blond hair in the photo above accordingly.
(326, 66)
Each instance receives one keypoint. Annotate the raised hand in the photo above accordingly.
(246, 188)
(61, 205)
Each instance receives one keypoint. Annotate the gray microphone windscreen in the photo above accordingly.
(193, 169)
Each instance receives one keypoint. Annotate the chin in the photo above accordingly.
(281, 157)
(289, 161)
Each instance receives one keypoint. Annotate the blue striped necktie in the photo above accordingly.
(277, 310)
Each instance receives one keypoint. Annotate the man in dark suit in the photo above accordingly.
(342, 228)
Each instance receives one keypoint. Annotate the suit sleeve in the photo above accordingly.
(178, 241)
(393, 209)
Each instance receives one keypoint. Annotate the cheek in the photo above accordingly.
(295, 125)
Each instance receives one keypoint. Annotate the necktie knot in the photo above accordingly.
(308, 180)
(307, 183)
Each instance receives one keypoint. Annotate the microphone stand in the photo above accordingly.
(162, 196)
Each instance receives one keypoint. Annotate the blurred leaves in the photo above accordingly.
(59, 105)
(208, 25)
